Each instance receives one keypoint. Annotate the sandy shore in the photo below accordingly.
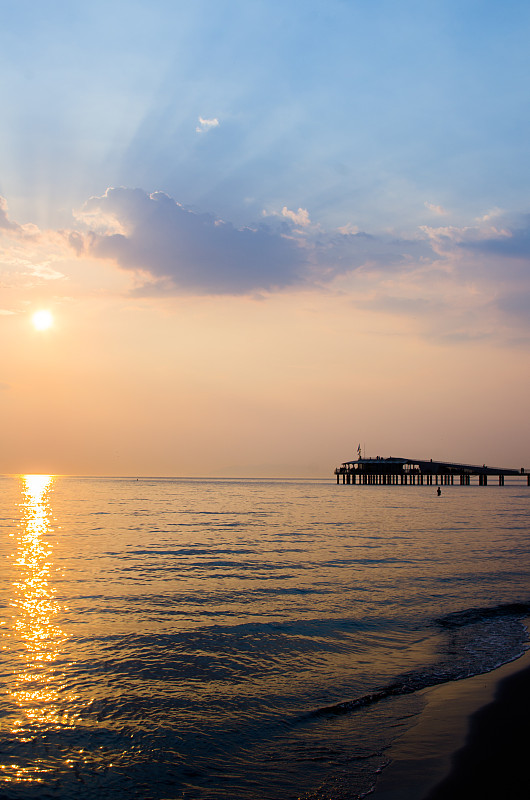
(471, 741)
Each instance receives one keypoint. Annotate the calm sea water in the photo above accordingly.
(240, 638)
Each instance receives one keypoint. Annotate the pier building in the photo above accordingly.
(415, 471)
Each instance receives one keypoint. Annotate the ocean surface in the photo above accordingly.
(253, 639)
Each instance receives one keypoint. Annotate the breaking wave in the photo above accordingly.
(478, 640)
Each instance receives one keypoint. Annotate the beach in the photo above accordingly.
(471, 741)
(491, 763)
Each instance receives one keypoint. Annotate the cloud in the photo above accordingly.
(5, 222)
(175, 250)
(488, 263)
(300, 217)
(340, 253)
(28, 230)
(489, 215)
(28, 256)
(206, 124)
(8, 225)
(505, 238)
(510, 242)
(461, 283)
(180, 250)
(348, 228)
(515, 304)
(439, 210)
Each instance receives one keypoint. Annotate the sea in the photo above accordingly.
(206, 639)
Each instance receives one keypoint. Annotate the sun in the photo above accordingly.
(42, 320)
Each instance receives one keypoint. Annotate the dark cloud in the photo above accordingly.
(182, 250)
(516, 304)
(512, 241)
(190, 251)
(76, 241)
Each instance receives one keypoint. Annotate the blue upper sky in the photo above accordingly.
(359, 112)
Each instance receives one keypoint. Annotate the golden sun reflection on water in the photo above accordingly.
(38, 684)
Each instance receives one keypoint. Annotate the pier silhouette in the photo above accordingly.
(414, 471)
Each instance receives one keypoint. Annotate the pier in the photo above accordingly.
(409, 471)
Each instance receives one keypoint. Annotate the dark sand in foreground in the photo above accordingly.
(456, 751)
(494, 762)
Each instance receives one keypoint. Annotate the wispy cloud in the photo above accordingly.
(439, 210)
(491, 233)
(8, 225)
(489, 264)
(349, 228)
(5, 222)
(29, 256)
(206, 124)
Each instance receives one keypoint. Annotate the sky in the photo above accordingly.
(267, 232)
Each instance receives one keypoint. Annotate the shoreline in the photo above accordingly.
(462, 739)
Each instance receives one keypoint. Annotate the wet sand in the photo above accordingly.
(471, 741)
